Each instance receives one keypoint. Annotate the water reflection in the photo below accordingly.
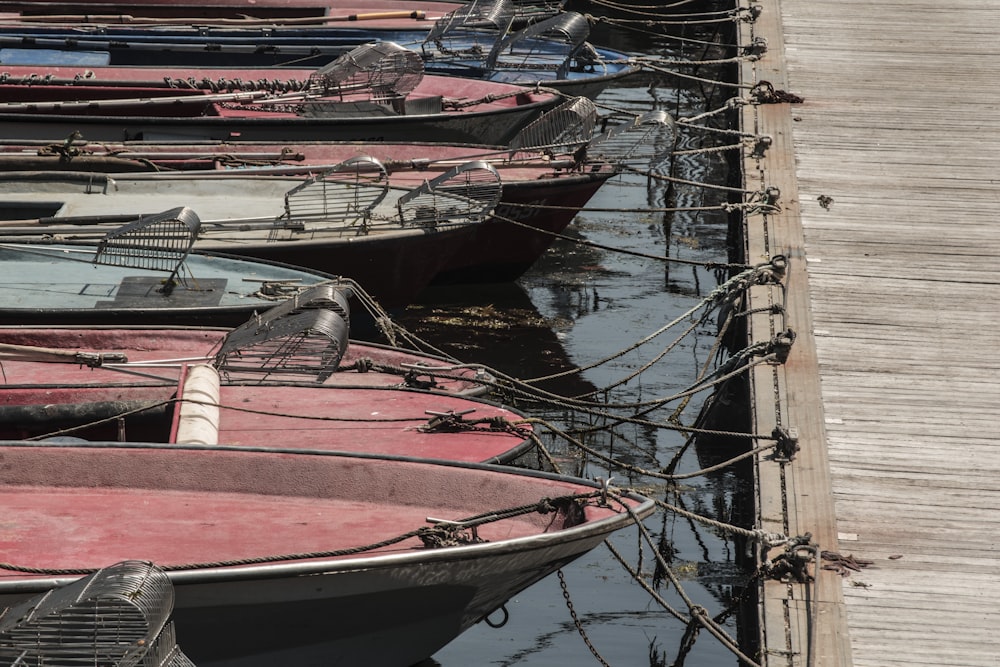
(584, 303)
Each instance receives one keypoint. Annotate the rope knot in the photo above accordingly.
(781, 345)
(765, 93)
(546, 506)
(500, 423)
(769, 540)
(761, 144)
(448, 534)
(412, 379)
(792, 565)
(772, 272)
(756, 49)
(787, 444)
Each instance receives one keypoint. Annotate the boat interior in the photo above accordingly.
(176, 400)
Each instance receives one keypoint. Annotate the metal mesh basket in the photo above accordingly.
(158, 242)
(467, 193)
(550, 44)
(464, 30)
(645, 138)
(309, 344)
(565, 129)
(111, 617)
(331, 296)
(343, 195)
(378, 72)
(165, 652)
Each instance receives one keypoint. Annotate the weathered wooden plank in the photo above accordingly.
(790, 632)
(902, 290)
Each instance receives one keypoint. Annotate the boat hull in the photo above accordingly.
(392, 269)
(389, 605)
(393, 265)
(231, 104)
(388, 617)
(539, 199)
(302, 48)
(380, 400)
(495, 127)
(521, 229)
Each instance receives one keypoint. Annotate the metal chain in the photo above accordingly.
(576, 620)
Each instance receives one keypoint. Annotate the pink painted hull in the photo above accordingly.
(343, 601)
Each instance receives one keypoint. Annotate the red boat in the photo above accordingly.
(286, 557)
(286, 371)
(231, 460)
(377, 92)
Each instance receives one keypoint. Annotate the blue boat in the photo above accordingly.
(143, 273)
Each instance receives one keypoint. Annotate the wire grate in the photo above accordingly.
(471, 30)
(380, 72)
(467, 193)
(344, 194)
(112, 617)
(554, 44)
(645, 138)
(565, 129)
(309, 344)
(158, 242)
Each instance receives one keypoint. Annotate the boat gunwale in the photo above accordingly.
(640, 507)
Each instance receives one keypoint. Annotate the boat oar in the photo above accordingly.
(14, 352)
(127, 19)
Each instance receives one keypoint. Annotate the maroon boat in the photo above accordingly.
(275, 473)
(377, 92)
(290, 370)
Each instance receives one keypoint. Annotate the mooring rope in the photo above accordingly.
(618, 250)
(697, 612)
(702, 18)
(630, 467)
(454, 421)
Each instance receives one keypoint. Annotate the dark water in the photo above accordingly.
(580, 305)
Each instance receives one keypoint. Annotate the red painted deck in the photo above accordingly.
(173, 347)
(25, 84)
(355, 411)
(76, 508)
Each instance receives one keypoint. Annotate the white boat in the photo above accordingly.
(346, 220)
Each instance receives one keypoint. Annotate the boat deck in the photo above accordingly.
(886, 173)
(164, 399)
(187, 506)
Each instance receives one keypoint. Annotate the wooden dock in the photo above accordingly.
(889, 173)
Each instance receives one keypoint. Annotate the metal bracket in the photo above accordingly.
(760, 146)
(788, 444)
